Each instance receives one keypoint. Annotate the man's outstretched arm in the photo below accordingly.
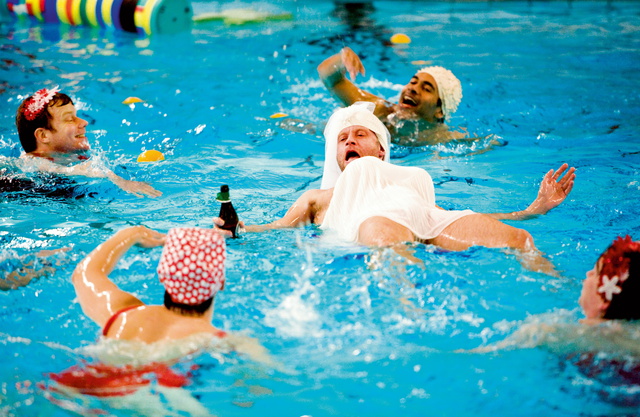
(301, 213)
(91, 169)
(137, 188)
(554, 189)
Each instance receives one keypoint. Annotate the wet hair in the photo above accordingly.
(187, 309)
(621, 261)
(27, 128)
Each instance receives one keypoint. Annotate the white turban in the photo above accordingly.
(358, 114)
(449, 88)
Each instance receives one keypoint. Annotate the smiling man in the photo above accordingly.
(49, 127)
(367, 200)
(54, 139)
(431, 96)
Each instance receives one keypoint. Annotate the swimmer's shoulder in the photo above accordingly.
(30, 162)
(151, 323)
(384, 108)
(319, 196)
(408, 133)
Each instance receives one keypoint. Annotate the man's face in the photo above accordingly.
(355, 142)
(420, 98)
(67, 133)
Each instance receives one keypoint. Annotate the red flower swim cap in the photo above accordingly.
(192, 264)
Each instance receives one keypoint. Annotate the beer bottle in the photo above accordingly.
(227, 212)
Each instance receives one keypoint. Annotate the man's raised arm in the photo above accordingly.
(332, 72)
(99, 297)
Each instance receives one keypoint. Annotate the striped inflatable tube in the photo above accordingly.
(163, 16)
(35, 8)
(136, 16)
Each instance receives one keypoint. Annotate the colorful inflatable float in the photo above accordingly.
(141, 16)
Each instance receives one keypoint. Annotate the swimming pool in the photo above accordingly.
(359, 332)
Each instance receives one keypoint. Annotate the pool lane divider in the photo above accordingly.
(137, 16)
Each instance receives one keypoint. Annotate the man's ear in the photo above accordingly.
(42, 135)
(381, 153)
(439, 114)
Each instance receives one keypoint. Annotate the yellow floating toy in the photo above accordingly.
(400, 38)
(131, 100)
(151, 156)
(278, 115)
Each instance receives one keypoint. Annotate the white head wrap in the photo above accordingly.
(358, 114)
(449, 88)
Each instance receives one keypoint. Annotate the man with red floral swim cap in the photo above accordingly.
(191, 268)
(54, 138)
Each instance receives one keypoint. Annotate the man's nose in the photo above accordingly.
(351, 138)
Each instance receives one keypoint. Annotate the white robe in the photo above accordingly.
(370, 187)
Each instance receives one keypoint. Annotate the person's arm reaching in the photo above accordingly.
(99, 297)
(554, 188)
(301, 213)
(91, 169)
(332, 72)
(137, 188)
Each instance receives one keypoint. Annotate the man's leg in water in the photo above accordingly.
(381, 231)
(482, 230)
(472, 230)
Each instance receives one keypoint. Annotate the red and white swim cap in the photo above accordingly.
(192, 264)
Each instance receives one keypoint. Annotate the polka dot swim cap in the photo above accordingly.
(192, 264)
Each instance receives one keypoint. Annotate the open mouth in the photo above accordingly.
(351, 155)
(408, 101)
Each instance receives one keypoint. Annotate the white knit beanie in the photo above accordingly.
(449, 88)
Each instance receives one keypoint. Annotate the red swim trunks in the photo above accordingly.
(112, 381)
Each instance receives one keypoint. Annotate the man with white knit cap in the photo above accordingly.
(366, 199)
(431, 96)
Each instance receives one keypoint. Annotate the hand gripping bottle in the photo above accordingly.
(227, 212)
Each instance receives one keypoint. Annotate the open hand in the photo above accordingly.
(351, 62)
(555, 187)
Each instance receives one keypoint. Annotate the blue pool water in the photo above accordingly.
(359, 332)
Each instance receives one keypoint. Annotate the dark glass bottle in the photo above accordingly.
(227, 212)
